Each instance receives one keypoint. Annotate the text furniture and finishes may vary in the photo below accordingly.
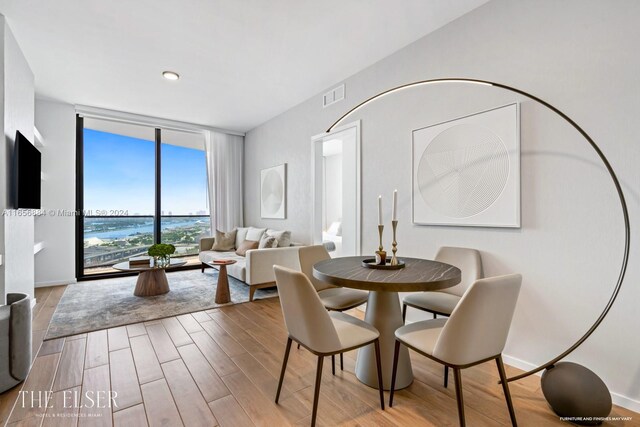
(383, 306)
(320, 332)
(152, 280)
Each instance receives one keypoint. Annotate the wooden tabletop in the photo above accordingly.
(418, 275)
(124, 266)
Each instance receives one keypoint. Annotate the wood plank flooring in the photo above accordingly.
(221, 367)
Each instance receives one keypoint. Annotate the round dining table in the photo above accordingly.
(383, 306)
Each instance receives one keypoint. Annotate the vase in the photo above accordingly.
(161, 261)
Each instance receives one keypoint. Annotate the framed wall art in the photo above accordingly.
(466, 171)
(273, 192)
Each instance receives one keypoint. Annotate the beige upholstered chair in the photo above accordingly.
(334, 298)
(443, 302)
(322, 333)
(475, 333)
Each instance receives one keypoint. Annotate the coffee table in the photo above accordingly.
(223, 296)
(152, 280)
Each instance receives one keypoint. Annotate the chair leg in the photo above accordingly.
(284, 368)
(316, 393)
(341, 362)
(333, 364)
(435, 316)
(376, 343)
(505, 388)
(396, 352)
(252, 290)
(457, 375)
(446, 376)
(404, 312)
(298, 346)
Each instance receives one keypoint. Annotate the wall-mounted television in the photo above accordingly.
(26, 173)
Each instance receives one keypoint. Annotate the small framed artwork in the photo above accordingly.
(273, 192)
(466, 171)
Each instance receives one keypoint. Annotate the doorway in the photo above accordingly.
(336, 190)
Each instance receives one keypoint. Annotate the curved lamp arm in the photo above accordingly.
(614, 178)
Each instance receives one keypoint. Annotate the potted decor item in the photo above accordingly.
(161, 253)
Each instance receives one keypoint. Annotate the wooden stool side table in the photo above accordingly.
(223, 296)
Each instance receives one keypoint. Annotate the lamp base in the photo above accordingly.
(576, 393)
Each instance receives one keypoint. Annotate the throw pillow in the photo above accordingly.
(224, 241)
(283, 237)
(241, 235)
(255, 233)
(268, 242)
(245, 246)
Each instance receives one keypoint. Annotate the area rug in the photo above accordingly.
(100, 304)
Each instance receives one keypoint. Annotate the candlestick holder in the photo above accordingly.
(381, 255)
(394, 244)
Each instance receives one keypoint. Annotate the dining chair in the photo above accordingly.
(334, 298)
(321, 332)
(443, 302)
(476, 332)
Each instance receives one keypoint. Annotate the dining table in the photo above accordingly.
(383, 305)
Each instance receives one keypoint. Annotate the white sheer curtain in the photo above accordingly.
(224, 171)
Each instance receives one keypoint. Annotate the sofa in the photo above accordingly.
(255, 268)
(15, 340)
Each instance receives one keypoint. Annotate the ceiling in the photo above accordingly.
(241, 62)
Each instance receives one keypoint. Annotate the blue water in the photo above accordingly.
(120, 233)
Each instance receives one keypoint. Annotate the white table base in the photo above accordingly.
(384, 313)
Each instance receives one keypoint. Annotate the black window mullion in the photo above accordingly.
(79, 196)
(157, 229)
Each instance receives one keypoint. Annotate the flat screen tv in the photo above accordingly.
(26, 173)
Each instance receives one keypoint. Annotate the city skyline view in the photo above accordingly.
(119, 175)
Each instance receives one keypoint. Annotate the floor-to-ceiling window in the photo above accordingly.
(140, 185)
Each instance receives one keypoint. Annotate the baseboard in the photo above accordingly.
(617, 398)
(55, 283)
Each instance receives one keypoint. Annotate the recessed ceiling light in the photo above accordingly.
(170, 75)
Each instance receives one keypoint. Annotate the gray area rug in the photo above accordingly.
(100, 304)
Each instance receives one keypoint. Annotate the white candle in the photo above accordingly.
(394, 215)
(379, 210)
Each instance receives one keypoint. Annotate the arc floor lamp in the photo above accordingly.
(571, 389)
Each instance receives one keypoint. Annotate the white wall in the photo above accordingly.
(332, 189)
(581, 57)
(54, 265)
(18, 114)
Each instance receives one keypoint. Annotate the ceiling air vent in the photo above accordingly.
(334, 95)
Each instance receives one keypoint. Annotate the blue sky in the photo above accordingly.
(119, 174)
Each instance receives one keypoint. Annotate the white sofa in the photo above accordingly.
(256, 268)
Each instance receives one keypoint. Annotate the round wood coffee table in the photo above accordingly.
(152, 281)
(383, 306)
(223, 296)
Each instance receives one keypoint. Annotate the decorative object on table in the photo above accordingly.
(161, 253)
(138, 261)
(575, 375)
(573, 389)
(386, 265)
(273, 192)
(394, 225)
(466, 171)
(381, 254)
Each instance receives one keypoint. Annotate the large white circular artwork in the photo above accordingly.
(466, 171)
(273, 192)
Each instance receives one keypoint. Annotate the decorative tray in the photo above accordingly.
(371, 263)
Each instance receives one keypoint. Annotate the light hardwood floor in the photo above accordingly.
(220, 367)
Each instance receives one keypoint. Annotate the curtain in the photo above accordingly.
(224, 172)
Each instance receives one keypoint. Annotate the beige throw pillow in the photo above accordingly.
(283, 237)
(268, 242)
(224, 241)
(245, 246)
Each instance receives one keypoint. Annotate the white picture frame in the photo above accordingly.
(466, 171)
(273, 192)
